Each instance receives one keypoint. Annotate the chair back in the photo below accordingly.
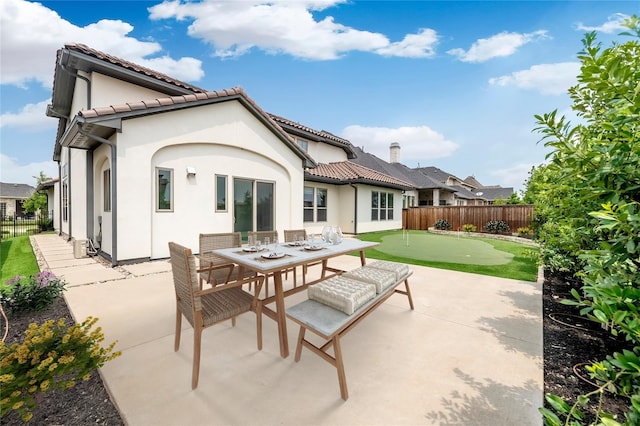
(185, 280)
(293, 235)
(210, 242)
(261, 235)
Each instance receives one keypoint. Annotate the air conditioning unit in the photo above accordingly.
(79, 248)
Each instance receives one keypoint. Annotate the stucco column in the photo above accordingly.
(436, 197)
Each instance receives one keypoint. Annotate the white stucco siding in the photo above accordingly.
(222, 139)
(365, 224)
(78, 194)
(109, 91)
(325, 153)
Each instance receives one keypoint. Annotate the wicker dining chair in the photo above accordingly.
(204, 308)
(214, 269)
(293, 235)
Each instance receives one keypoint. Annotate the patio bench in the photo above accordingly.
(337, 304)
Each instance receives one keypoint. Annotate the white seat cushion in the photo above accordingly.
(343, 294)
(400, 269)
(381, 278)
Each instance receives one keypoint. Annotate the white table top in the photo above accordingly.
(293, 255)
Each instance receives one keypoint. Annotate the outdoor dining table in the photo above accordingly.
(288, 256)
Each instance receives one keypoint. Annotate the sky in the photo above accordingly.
(456, 83)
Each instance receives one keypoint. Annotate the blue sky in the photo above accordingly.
(456, 83)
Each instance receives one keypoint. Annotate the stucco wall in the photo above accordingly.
(217, 139)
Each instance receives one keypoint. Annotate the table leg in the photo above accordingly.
(363, 260)
(280, 311)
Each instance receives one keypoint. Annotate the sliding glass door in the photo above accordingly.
(253, 205)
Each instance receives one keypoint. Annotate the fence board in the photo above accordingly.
(422, 218)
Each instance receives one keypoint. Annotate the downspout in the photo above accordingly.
(114, 192)
(59, 200)
(70, 237)
(355, 209)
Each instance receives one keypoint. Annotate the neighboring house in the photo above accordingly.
(52, 188)
(432, 186)
(12, 196)
(145, 159)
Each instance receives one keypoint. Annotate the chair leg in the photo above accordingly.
(176, 344)
(197, 339)
(233, 321)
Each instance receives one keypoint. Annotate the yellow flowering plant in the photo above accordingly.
(52, 356)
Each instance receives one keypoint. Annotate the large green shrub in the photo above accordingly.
(588, 198)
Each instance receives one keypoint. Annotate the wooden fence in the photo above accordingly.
(422, 218)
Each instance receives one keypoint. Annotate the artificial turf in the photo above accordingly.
(483, 256)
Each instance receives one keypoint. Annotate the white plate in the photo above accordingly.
(295, 244)
(251, 249)
(313, 248)
(273, 255)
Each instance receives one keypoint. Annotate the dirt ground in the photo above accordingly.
(570, 341)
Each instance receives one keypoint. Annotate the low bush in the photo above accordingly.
(442, 224)
(496, 226)
(51, 356)
(22, 294)
(469, 227)
(525, 232)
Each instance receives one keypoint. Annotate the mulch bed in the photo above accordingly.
(87, 403)
(570, 341)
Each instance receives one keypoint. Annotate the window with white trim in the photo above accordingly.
(106, 190)
(221, 193)
(315, 204)
(164, 189)
(381, 205)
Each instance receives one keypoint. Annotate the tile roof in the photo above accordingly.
(400, 171)
(319, 133)
(152, 104)
(349, 172)
(81, 48)
(15, 190)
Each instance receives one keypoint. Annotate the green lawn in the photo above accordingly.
(17, 258)
(485, 256)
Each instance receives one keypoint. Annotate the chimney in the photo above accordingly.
(394, 152)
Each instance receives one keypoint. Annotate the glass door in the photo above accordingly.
(242, 206)
(253, 199)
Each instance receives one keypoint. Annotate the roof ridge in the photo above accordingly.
(107, 57)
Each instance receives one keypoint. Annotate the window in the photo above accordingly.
(303, 144)
(65, 201)
(221, 193)
(3, 210)
(106, 190)
(164, 188)
(315, 204)
(381, 205)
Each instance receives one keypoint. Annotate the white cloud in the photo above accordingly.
(418, 143)
(503, 44)
(548, 79)
(234, 28)
(31, 34)
(515, 176)
(613, 24)
(32, 117)
(12, 172)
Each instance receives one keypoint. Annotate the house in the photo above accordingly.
(12, 197)
(145, 159)
(431, 185)
(52, 188)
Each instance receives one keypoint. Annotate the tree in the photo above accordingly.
(38, 200)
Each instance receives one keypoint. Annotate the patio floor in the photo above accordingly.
(469, 354)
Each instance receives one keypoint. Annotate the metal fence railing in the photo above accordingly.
(27, 224)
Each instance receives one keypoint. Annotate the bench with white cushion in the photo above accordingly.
(336, 305)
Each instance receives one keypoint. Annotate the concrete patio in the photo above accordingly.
(469, 354)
